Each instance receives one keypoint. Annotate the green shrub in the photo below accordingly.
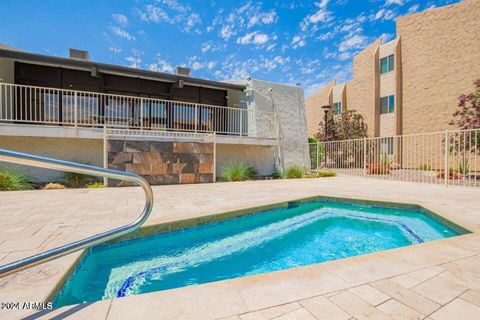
(12, 180)
(294, 172)
(95, 185)
(77, 180)
(425, 167)
(238, 171)
(276, 174)
(321, 174)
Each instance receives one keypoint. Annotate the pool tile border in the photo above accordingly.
(176, 225)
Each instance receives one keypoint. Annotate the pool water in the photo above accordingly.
(301, 234)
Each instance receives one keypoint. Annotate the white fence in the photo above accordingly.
(39, 105)
(449, 157)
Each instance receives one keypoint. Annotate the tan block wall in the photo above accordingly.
(313, 110)
(440, 60)
(361, 90)
(387, 125)
(87, 151)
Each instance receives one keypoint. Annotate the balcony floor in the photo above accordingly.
(53, 131)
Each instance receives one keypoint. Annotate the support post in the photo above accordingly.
(214, 157)
(447, 174)
(75, 109)
(196, 117)
(318, 155)
(141, 114)
(105, 154)
(364, 157)
(241, 122)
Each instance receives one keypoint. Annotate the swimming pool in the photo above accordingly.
(296, 235)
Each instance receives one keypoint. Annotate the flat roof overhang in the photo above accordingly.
(86, 65)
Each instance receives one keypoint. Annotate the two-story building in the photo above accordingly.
(171, 128)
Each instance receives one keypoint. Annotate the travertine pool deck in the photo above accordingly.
(435, 280)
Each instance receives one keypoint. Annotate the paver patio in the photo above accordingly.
(435, 280)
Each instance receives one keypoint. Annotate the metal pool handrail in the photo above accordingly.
(61, 165)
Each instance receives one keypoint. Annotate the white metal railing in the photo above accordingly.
(449, 157)
(40, 105)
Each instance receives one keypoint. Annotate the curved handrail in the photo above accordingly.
(49, 163)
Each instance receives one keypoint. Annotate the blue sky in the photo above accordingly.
(304, 42)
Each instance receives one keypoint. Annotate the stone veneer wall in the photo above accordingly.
(162, 162)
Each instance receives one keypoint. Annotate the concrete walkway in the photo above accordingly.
(438, 279)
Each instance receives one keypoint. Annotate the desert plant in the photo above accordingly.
(238, 171)
(378, 168)
(385, 160)
(425, 167)
(321, 174)
(53, 186)
(293, 172)
(463, 165)
(11, 180)
(95, 185)
(77, 180)
(276, 174)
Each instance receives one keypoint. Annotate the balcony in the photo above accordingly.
(22, 105)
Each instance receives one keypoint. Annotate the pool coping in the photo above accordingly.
(175, 225)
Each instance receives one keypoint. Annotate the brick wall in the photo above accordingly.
(162, 162)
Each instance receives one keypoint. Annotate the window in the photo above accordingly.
(387, 104)
(386, 64)
(337, 107)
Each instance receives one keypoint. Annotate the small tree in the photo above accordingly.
(467, 115)
(347, 125)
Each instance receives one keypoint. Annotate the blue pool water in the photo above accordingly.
(278, 239)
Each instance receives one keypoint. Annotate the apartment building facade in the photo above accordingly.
(410, 84)
(170, 128)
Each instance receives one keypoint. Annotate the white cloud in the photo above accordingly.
(385, 37)
(211, 65)
(120, 19)
(135, 60)
(172, 12)
(122, 33)
(160, 65)
(154, 14)
(397, 2)
(255, 37)
(321, 15)
(414, 8)
(226, 32)
(354, 42)
(384, 14)
(197, 65)
(298, 42)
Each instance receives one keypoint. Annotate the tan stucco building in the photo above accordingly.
(410, 84)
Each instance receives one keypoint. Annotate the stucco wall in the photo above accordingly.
(261, 157)
(361, 92)
(313, 110)
(88, 151)
(440, 60)
(288, 102)
(387, 125)
(7, 71)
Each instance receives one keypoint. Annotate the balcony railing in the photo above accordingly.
(39, 105)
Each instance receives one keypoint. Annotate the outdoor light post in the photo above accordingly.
(325, 108)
